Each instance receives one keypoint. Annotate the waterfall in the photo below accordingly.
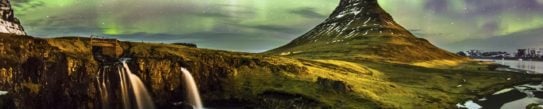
(142, 98)
(123, 87)
(118, 87)
(193, 96)
(102, 91)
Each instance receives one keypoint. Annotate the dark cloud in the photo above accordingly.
(175, 37)
(212, 14)
(277, 28)
(66, 20)
(71, 23)
(64, 31)
(25, 5)
(427, 34)
(20, 2)
(437, 6)
(214, 40)
(483, 7)
(308, 13)
(491, 27)
(234, 11)
(419, 33)
(523, 39)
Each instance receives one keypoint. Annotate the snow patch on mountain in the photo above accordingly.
(10, 27)
(8, 22)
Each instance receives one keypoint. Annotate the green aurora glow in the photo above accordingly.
(259, 25)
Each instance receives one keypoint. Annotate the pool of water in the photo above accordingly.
(534, 66)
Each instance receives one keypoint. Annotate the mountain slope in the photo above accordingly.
(8, 22)
(362, 29)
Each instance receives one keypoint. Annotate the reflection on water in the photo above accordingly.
(535, 66)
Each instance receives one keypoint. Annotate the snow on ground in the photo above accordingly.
(521, 103)
(469, 104)
(503, 91)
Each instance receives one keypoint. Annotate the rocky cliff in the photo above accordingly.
(361, 29)
(8, 22)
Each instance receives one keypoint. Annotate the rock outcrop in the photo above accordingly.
(8, 22)
(362, 29)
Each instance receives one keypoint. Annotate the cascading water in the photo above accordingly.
(102, 90)
(143, 99)
(120, 88)
(193, 96)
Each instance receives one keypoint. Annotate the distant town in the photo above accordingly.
(525, 54)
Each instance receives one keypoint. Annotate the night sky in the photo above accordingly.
(260, 25)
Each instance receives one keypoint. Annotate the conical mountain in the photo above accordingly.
(361, 29)
(8, 22)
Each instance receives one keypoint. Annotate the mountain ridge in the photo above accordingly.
(362, 29)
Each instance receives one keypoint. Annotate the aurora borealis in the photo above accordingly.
(259, 25)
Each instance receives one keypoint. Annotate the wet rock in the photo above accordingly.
(496, 101)
(538, 94)
(534, 106)
(6, 101)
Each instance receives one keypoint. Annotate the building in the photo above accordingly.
(106, 50)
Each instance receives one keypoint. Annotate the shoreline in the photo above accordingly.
(510, 59)
(509, 68)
